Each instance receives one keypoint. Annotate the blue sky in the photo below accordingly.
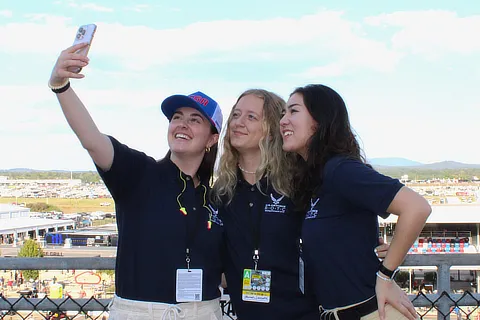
(408, 71)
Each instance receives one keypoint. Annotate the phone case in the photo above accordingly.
(84, 34)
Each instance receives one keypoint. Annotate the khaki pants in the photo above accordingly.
(390, 314)
(124, 309)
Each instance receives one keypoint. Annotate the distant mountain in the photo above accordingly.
(450, 165)
(19, 170)
(406, 163)
(394, 162)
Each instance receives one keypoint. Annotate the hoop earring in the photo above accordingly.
(207, 149)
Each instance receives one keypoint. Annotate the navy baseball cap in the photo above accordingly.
(199, 101)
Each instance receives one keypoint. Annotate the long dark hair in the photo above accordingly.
(333, 136)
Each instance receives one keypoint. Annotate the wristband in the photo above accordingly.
(383, 277)
(62, 88)
(387, 272)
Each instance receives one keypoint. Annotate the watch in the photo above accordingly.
(389, 273)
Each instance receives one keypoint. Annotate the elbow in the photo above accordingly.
(87, 146)
(425, 209)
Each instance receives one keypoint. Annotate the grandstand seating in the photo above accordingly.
(439, 245)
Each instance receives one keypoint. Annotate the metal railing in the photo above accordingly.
(442, 301)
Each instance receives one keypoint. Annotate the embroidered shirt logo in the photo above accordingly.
(214, 216)
(275, 206)
(312, 213)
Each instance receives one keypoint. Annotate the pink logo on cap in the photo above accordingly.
(203, 101)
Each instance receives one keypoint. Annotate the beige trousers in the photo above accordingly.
(125, 309)
(390, 313)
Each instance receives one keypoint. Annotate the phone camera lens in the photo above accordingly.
(81, 30)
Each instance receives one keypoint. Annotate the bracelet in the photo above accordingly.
(60, 85)
(383, 277)
(62, 89)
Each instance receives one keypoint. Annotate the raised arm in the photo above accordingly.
(96, 143)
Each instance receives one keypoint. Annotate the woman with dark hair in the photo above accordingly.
(342, 195)
(165, 223)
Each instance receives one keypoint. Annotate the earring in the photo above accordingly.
(207, 149)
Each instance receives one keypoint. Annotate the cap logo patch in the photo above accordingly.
(203, 101)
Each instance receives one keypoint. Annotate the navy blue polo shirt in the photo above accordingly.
(279, 235)
(153, 231)
(340, 231)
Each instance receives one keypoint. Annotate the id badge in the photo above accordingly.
(301, 275)
(256, 285)
(189, 285)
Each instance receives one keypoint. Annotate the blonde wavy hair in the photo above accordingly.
(275, 164)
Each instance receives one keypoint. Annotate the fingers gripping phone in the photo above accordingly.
(84, 34)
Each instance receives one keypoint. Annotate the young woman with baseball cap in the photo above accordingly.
(168, 262)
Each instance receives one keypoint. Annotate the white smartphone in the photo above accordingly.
(84, 34)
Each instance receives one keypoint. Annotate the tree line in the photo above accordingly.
(85, 176)
(396, 172)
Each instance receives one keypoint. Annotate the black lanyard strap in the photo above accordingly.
(196, 218)
(256, 233)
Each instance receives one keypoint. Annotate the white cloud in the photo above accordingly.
(141, 47)
(95, 7)
(431, 33)
(365, 54)
(125, 102)
(138, 8)
(85, 5)
(33, 124)
(41, 33)
(6, 13)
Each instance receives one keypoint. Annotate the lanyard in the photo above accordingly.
(195, 219)
(255, 230)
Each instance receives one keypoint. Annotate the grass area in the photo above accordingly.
(69, 205)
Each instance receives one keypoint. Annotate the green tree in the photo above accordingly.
(30, 249)
(109, 273)
(85, 176)
(402, 278)
(42, 207)
(430, 277)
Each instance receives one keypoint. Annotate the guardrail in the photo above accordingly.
(442, 301)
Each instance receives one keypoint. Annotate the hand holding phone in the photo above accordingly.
(84, 34)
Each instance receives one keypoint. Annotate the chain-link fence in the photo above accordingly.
(442, 303)
(69, 308)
